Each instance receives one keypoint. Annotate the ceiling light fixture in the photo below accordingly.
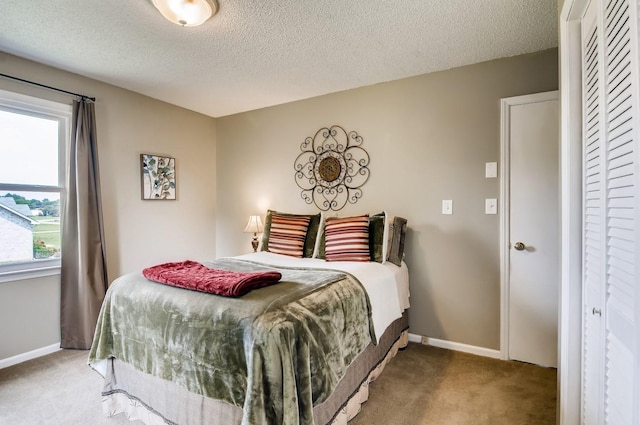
(188, 13)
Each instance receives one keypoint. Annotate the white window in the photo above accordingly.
(33, 137)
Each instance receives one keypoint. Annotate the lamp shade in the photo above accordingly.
(254, 225)
(188, 13)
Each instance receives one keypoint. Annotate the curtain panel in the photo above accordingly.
(83, 272)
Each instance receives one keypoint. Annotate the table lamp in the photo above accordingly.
(254, 226)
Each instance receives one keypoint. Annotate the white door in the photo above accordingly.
(532, 234)
(601, 104)
(611, 284)
(593, 219)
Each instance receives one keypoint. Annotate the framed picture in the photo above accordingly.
(158, 177)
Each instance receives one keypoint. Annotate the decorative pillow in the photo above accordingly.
(287, 235)
(396, 231)
(347, 239)
(377, 224)
(312, 233)
(321, 244)
(377, 241)
(318, 252)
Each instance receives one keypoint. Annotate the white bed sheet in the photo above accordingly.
(386, 284)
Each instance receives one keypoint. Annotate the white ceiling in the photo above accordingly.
(258, 53)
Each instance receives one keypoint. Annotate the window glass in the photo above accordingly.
(33, 133)
(29, 149)
(29, 226)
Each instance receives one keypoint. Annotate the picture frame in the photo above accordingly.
(158, 177)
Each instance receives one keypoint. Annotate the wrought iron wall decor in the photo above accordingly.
(332, 168)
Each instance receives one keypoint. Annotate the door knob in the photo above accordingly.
(519, 246)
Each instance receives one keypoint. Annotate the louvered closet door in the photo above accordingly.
(621, 328)
(593, 219)
(611, 180)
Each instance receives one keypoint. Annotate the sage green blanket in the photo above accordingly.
(276, 351)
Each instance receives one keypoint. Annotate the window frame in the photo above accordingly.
(39, 108)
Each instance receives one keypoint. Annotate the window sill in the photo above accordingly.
(22, 271)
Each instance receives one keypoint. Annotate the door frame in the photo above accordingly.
(505, 217)
(570, 309)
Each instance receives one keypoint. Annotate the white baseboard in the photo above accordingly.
(456, 346)
(415, 338)
(10, 361)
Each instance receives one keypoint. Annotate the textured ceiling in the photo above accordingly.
(257, 53)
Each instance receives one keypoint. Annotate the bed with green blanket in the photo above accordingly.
(291, 353)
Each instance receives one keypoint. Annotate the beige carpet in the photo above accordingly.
(421, 386)
(427, 385)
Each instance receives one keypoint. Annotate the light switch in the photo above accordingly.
(491, 170)
(447, 206)
(491, 206)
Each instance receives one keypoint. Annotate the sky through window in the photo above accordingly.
(28, 150)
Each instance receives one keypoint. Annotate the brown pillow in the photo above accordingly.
(396, 234)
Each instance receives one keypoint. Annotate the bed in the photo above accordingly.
(302, 351)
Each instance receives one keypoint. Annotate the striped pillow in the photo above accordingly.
(347, 239)
(312, 233)
(288, 234)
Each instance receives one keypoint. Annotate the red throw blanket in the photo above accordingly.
(195, 276)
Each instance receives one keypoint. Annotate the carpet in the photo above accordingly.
(422, 385)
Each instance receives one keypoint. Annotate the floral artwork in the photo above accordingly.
(158, 177)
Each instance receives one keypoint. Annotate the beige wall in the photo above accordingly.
(138, 233)
(29, 315)
(429, 138)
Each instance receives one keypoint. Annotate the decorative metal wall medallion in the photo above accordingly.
(332, 168)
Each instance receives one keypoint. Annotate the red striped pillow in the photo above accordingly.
(347, 239)
(288, 234)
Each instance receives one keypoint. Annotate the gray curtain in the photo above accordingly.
(84, 271)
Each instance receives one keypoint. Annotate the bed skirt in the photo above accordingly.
(154, 401)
